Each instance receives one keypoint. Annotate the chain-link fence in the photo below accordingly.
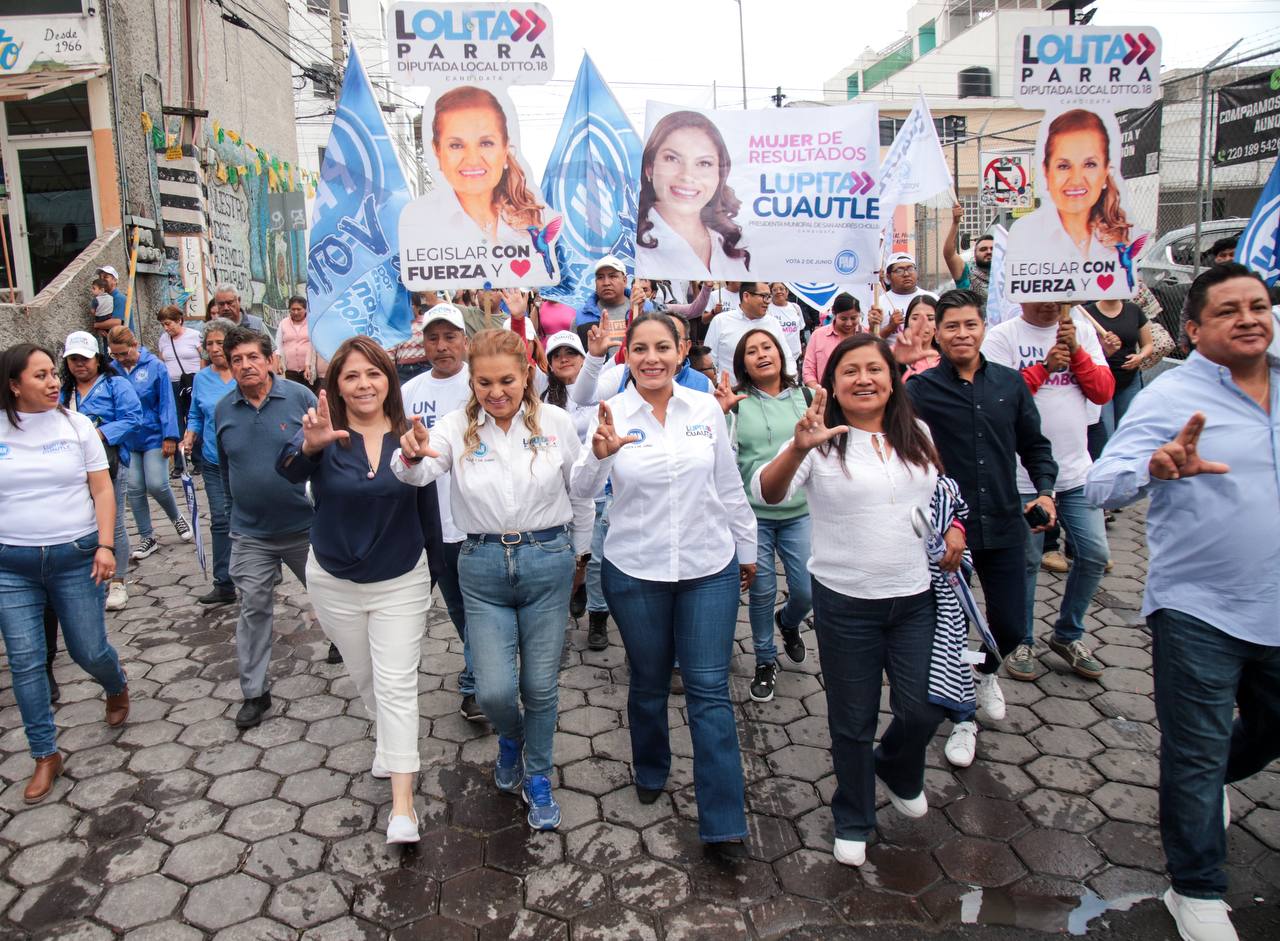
(1188, 185)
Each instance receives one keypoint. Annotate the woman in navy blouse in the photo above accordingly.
(368, 573)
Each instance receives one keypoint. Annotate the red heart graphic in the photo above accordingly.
(521, 267)
(1104, 280)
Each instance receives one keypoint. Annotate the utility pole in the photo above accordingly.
(777, 97)
(742, 49)
(335, 39)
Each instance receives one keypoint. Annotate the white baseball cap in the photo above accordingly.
(80, 343)
(564, 338)
(898, 258)
(446, 312)
(107, 269)
(611, 261)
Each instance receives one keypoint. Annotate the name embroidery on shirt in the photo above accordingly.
(697, 431)
(541, 441)
(60, 446)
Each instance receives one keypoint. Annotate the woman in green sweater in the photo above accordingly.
(767, 404)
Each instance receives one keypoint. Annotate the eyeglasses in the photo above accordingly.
(903, 269)
(764, 294)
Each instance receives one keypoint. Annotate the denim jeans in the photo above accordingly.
(1201, 676)
(149, 474)
(1004, 586)
(120, 537)
(451, 592)
(60, 575)
(692, 620)
(219, 500)
(790, 539)
(517, 600)
(859, 639)
(595, 594)
(1087, 530)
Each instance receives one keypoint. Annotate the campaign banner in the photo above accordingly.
(779, 194)
(1062, 66)
(1008, 179)
(1140, 140)
(1248, 120)
(439, 44)
(484, 223)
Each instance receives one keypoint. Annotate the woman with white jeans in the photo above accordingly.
(367, 573)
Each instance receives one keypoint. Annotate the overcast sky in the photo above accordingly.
(673, 50)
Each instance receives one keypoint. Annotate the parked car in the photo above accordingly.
(1167, 266)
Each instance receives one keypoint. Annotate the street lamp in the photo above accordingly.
(742, 48)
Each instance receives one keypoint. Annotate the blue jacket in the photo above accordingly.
(150, 380)
(590, 312)
(114, 409)
(206, 392)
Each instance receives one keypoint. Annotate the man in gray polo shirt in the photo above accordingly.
(226, 300)
(270, 517)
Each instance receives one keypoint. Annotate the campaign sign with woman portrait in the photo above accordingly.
(484, 223)
(1082, 243)
(774, 194)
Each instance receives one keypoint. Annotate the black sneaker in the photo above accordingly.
(792, 642)
(729, 852)
(598, 630)
(766, 679)
(146, 547)
(218, 596)
(334, 656)
(469, 710)
(578, 603)
(252, 711)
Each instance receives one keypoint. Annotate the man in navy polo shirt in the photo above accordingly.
(270, 517)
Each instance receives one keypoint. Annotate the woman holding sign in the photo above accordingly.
(687, 208)
(1082, 224)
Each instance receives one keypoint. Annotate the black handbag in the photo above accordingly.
(182, 398)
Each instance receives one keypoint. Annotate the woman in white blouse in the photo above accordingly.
(866, 463)
(681, 546)
(510, 457)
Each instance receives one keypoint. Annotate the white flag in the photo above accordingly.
(999, 307)
(915, 168)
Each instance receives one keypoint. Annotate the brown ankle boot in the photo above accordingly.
(118, 707)
(41, 783)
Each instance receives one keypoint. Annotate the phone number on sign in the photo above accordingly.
(1254, 150)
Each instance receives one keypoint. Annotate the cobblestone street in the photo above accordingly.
(177, 827)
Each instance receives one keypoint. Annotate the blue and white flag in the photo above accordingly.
(817, 294)
(353, 264)
(592, 179)
(1259, 246)
(915, 169)
(999, 307)
(193, 514)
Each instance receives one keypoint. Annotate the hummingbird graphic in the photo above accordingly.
(542, 239)
(1128, 254)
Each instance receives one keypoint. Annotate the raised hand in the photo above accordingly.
(606, 441)
(598, 337)
(317, 428)
(415, 443)
(1181, 457)
(517, 301)
(725, 395)
(811, 429)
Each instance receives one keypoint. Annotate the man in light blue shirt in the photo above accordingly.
(1203, 441)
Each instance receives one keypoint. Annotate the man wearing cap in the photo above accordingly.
(446, 388)
(728, 328)
(610, 297)
(108, 274)
(900, 288)
(226, 303)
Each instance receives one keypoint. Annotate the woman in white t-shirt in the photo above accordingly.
(788, 314)
(57, 517)
(179, 350)
(866, 464)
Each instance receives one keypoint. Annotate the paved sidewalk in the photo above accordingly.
(177, 827)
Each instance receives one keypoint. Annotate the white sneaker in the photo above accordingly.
(1200, 919)
(989, 695)
(962, 744)
(117, 596)
(401, 829)
(378, 771)
(850, 852)
(914, 807)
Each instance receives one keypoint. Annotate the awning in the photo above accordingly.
(30, 85)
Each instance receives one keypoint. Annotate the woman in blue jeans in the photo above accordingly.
(211, 384)
(509, 458)
(92, 387)
(866, 463)
(153, 442)
(681, 547)
(764, 408)
(57, 517)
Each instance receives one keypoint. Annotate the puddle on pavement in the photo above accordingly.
(1055, 913)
